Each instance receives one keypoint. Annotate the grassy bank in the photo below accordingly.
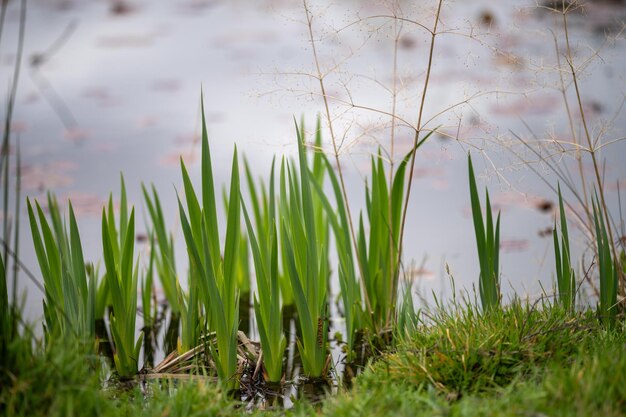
(516, 362)
(522, 360)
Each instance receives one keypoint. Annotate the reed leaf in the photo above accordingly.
(215, 275)
(349, 285)
(307, 265)
(565, 277)
(242, 264)
(607, 268)
(70, 295)
(149, 315)
(165, 262)
(488, 245)
(267, 301)
(378, 252)
(122, 271)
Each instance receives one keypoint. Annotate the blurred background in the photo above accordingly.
(110, 87)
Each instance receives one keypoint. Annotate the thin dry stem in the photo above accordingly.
(320, 77)
(574, 136)
(394, 95)
(417, 137)
(591, 148)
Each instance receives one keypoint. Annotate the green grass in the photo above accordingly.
(516, 361)
(461, 352)
(60, 381)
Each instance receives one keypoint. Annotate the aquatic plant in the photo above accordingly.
(4, 305)
(10, 251)
(70, 298)
(8, 316)
(122, 272)
(216, 275)
(147, 288)
(565, 277)
(608, 268)
(487, 244)
(242, 265)
(165, 262)
(348, 282)
(306, 262)
(378, 252)
(191, 321)
(263, 211)
(267, 301)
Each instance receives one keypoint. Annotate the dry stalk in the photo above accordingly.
(592, 149)
(394, 95)
(416, 140)
(575, 138)
(320, 78)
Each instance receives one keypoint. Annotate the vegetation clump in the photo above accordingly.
(553, 355)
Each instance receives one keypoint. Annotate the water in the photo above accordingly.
(120, 91)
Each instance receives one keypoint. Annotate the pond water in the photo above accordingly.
(110, 87)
